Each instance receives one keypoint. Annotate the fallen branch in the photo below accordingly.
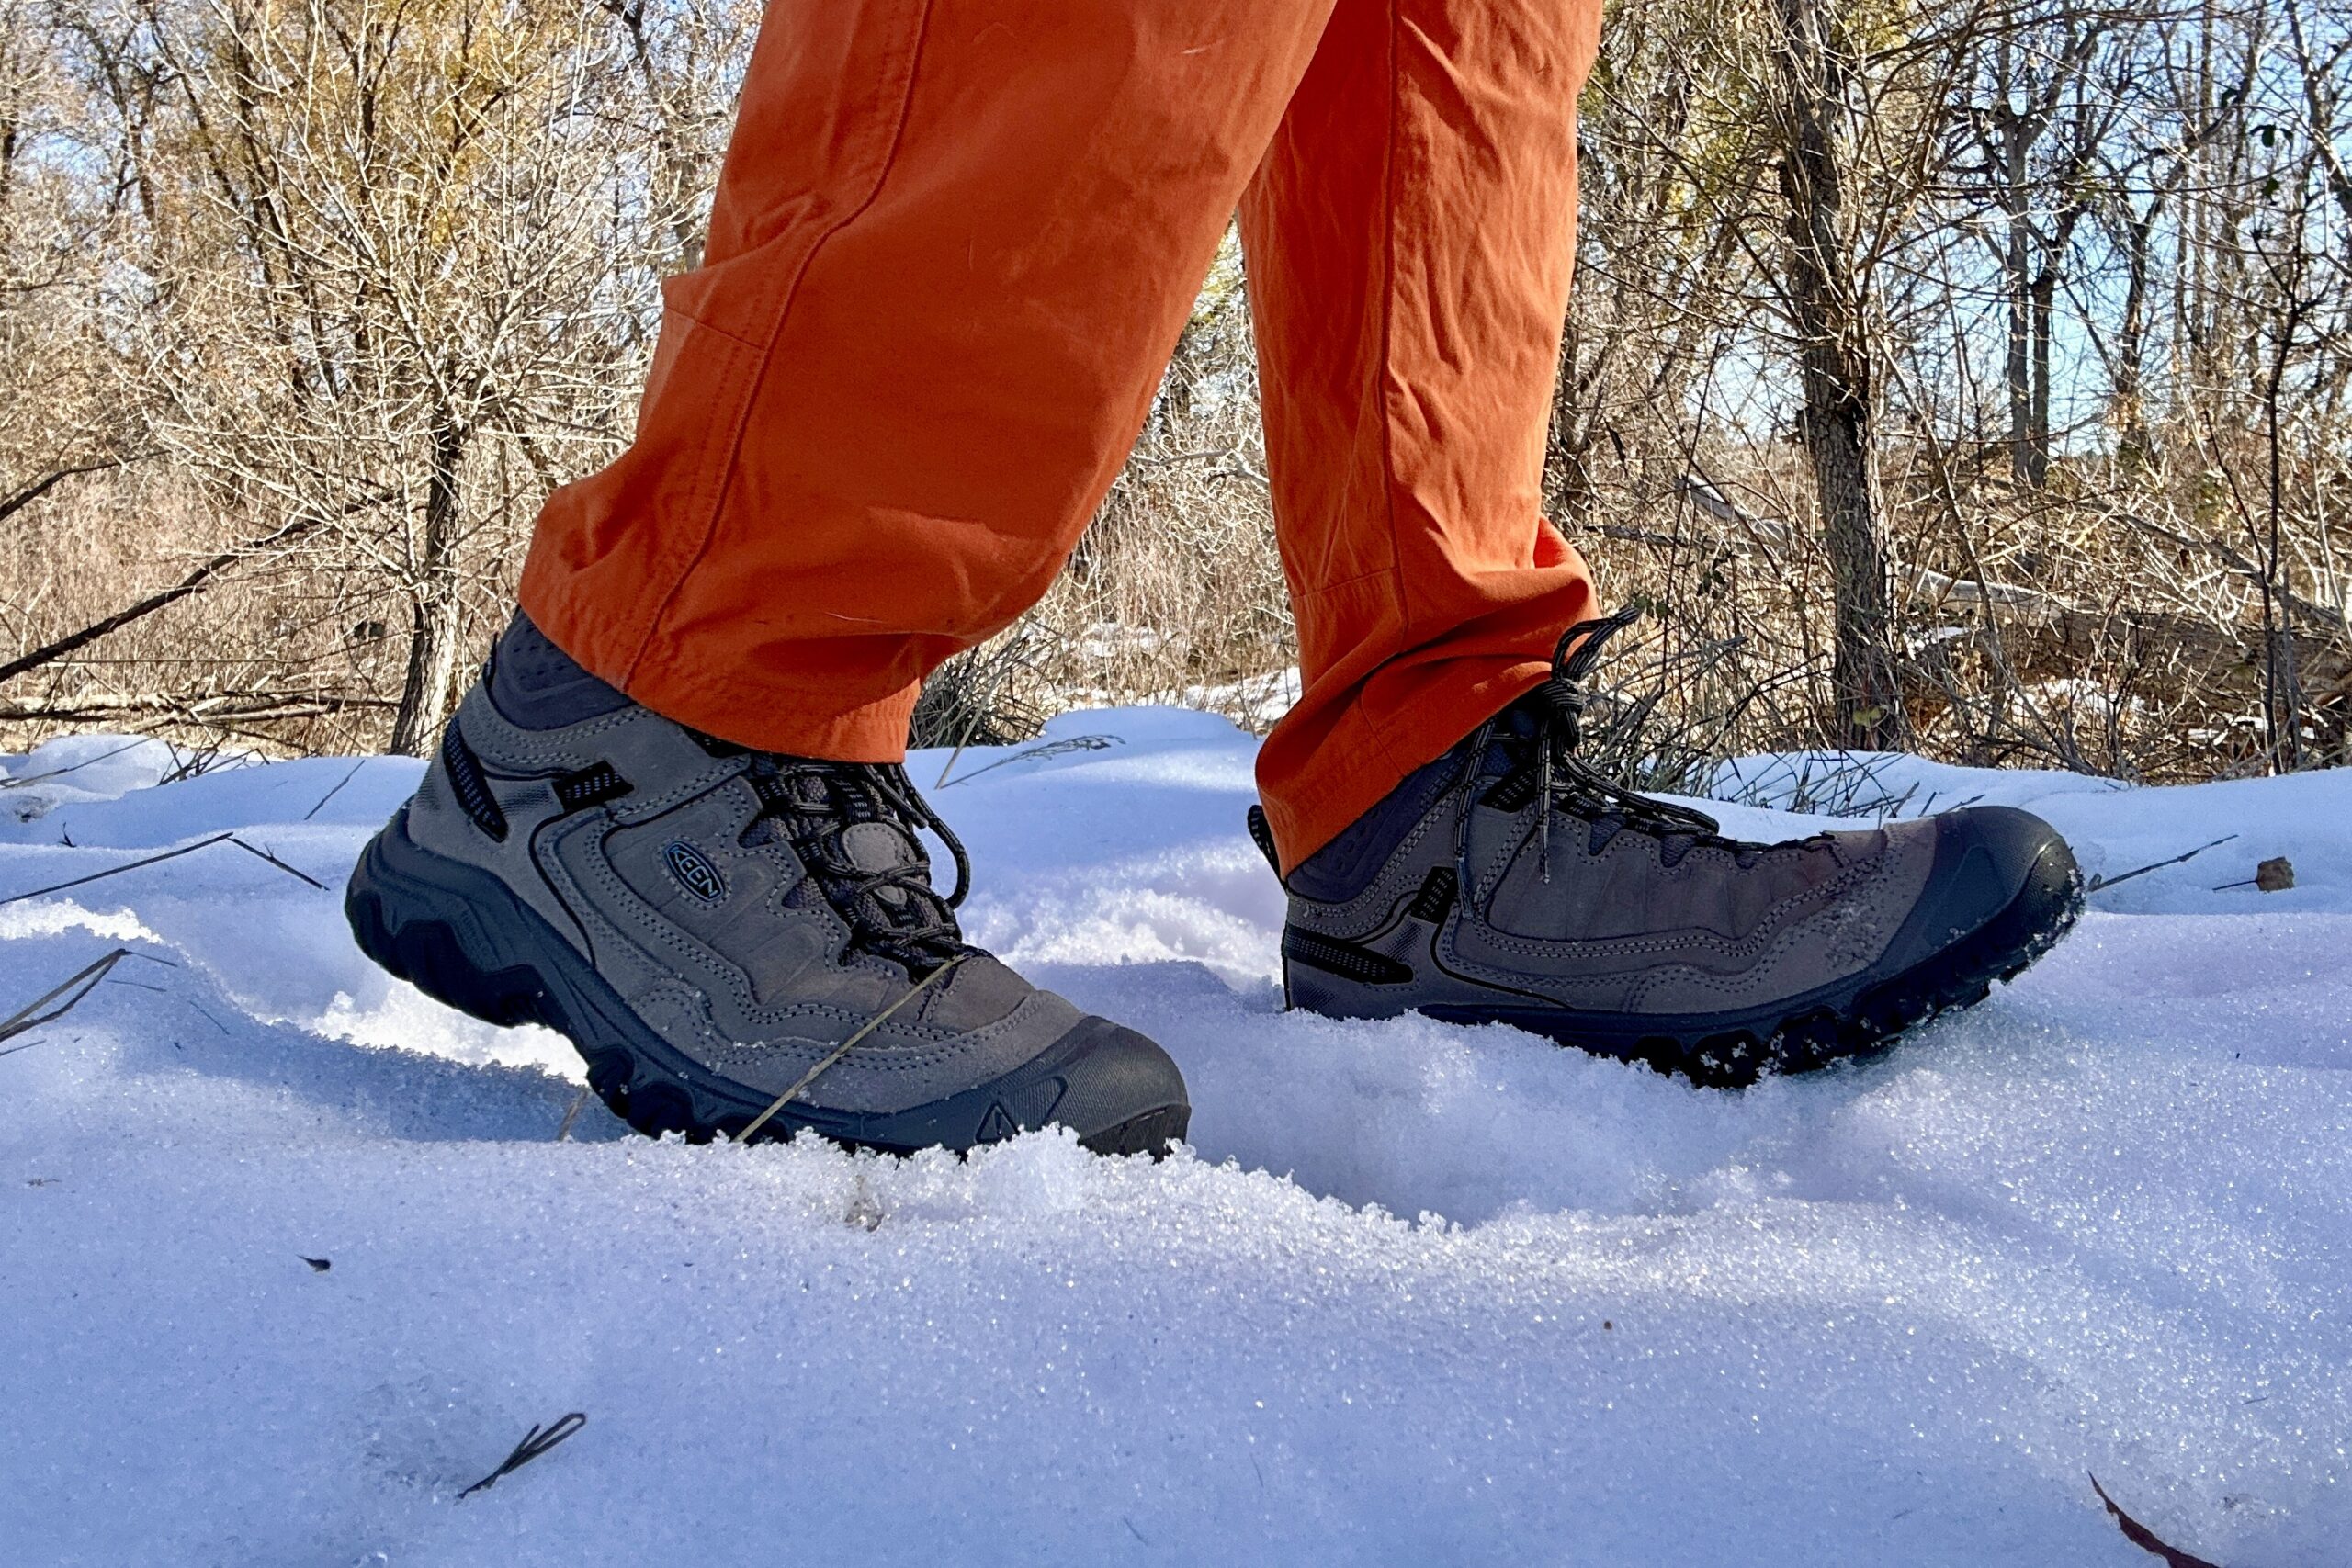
(15, 503)
(205, 572)
(195, 710)
(2064, 636)
(2308, 610)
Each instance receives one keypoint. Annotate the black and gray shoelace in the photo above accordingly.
(1546, 749)
(892, 910)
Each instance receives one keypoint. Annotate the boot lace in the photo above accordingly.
(1547, 750)
(892, 910)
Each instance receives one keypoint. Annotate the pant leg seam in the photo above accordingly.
(720, 482)
(1334, 586)
(735, 338)
(1388, 309)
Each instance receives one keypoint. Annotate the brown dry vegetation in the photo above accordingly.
(1971, 379)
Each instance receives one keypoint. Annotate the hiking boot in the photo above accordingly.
(739, 944)
(1508, 883)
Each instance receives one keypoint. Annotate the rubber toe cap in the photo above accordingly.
(1123, 1094)
(1994, 864)
(2017, 840)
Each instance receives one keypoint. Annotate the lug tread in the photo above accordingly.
(1877, 1020)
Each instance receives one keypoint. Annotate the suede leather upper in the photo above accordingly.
(755, 976)
(1608, 919)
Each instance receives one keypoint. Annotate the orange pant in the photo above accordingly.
(953, 245)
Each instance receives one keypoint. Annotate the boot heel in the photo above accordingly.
(437, 939)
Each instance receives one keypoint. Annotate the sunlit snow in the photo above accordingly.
(1417, 1295)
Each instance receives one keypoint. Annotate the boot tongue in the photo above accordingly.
(1514, 736)
(870, 840)
(880, 846)
(847, 832)
(1518, 738)
(904, 902)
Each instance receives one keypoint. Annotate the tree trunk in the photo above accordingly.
(1825, 300)
(2135, 446)
(436, 628)
(2017, 270)
(2045, 315)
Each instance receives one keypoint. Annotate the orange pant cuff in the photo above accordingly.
(1360, 761)
(772, 712)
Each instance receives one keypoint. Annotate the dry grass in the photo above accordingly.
(2090, 625)
(292, 653)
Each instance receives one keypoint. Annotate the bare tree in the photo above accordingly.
(2037, 121)
(1828, 301)
(415, 219)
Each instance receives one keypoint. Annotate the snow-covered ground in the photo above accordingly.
(1419, 1294)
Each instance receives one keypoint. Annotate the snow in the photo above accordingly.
(1897, 1314)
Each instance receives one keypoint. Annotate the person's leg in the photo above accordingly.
(953, 245)
(1409, 239)
(1445, 848)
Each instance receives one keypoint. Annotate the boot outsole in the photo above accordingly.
(477, 948)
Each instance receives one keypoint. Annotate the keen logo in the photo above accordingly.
(697, 875)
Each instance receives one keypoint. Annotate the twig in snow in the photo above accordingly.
(578, 1100)
(2099, 884)
(2275, 875)
(118, 870)
(30, 1016)
(2145, 1539)
(279, 863)
(202, 760)
(534, 1443)
(158, 859)
(953, 756)
(75, 767)
(1048, 749)
(337, 790)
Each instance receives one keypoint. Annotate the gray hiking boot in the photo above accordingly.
(1507, 882)
(739, 944)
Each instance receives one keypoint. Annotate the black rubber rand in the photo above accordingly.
(462, 937)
